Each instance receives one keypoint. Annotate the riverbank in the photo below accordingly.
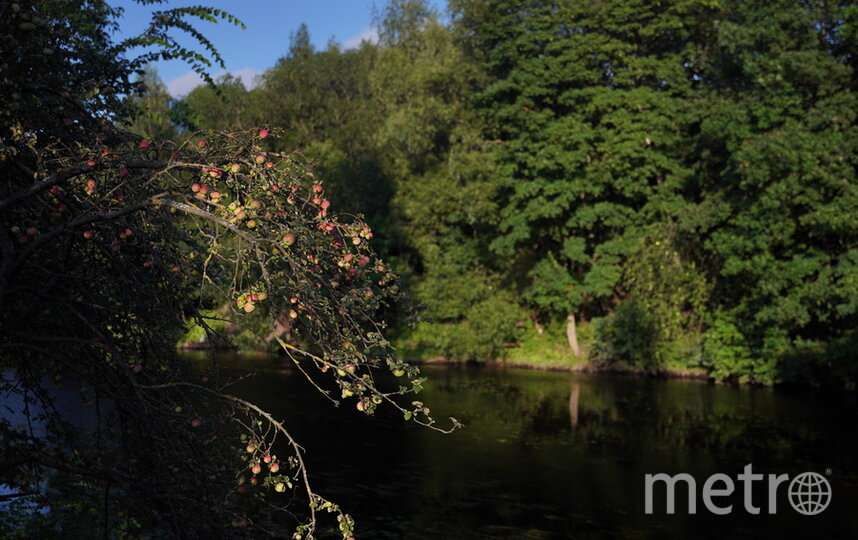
(576, 366)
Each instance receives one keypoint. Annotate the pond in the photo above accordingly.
(559, 455)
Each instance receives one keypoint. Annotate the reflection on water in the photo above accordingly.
(555, 455)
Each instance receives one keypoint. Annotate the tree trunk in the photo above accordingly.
(572, 335)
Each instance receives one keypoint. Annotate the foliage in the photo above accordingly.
(112, 245)
(681, 174)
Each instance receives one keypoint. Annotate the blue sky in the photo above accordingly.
(269, 25)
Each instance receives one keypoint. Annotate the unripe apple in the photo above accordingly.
(279, 487)
(398, 372)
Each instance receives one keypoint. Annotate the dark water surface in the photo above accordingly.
(557, 455)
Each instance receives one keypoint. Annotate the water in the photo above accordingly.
(557, 455)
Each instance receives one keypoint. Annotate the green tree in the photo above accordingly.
(444, 187)
(588, 104)
(775, 199)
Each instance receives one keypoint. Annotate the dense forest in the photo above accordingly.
(661, 186)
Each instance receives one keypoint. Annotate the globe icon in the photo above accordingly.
(809, 493)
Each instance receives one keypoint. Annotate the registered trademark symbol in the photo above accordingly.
(828, 472)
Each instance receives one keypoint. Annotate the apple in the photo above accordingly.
(144, 144)
(251, 223)
(288, 239)
(267, 459)
(123, 172)
(88, 234)
(32, 231)
(361, 405)
(195, 187)
(260, 159)
(256, 469)
(250, 448)
(249, 307)
(196, 422)
(274, 467)
(317, 188)
(201, 143)
(279, 487)
(137, 368)
(235, 167)
(263, 133)
(293, 314)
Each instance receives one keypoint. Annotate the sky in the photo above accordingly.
(270, 23)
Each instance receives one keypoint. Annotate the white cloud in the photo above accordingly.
(183, 84)
(367, 34)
